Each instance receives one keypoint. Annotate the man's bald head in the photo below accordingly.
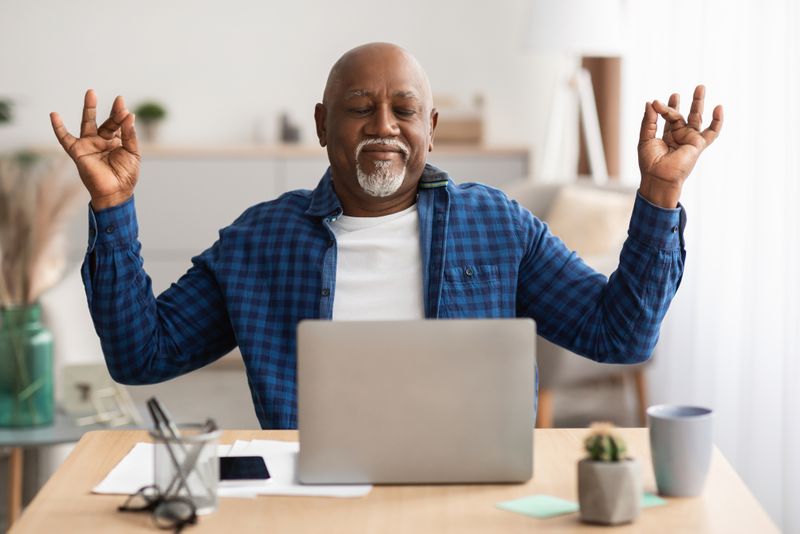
(362, 59)
(377, 121)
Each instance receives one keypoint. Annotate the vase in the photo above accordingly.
(26, 368)
(150, 130)
(609, 493)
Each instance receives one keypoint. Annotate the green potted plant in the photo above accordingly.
(149, 115)
(609, 482)
(36, 202)
(5, 110)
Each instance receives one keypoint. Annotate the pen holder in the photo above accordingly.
(188, 466)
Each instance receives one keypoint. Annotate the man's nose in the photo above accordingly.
(383, 123)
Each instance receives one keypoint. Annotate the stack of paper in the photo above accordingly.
(136, 470)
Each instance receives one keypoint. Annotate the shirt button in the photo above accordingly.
(468, 271)
(110, 229)
(674, 229)
(325, 292)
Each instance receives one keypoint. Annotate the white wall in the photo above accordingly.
(221, 66)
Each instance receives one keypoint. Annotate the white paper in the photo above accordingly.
(238, 447)
(131, 473)
(136, 470)
(281, 458)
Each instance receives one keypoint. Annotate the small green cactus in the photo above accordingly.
(604, 445)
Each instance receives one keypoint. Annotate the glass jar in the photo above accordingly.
(26, 368)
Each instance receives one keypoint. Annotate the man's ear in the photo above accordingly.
(320, 117)
(434, 121)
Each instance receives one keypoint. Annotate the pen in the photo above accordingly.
(163, 420)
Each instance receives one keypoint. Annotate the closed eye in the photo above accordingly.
(359, 111)
(404, 112)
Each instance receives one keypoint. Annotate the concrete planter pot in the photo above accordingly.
(609, 493)
(150, 130)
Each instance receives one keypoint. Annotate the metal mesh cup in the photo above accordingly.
(188, 466)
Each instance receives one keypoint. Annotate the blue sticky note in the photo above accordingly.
(540, 506)
(649, 500)
(544, 506)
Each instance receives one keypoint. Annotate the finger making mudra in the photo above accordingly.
(107, 157)
(666, 163)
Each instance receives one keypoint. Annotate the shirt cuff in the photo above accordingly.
(114, 227)
(657, 226)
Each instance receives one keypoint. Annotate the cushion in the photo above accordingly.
(590, 220)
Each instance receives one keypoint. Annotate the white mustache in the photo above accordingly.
(382, 141)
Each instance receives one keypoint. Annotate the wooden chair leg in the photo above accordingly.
(544, 415)
(640, 381)
(14, 485)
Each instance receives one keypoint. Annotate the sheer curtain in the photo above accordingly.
(732, 337)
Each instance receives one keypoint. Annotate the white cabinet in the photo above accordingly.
(182, 203)
(301, 172)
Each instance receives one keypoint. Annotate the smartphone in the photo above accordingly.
(242, 468)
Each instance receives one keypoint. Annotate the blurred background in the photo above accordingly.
(543, 99)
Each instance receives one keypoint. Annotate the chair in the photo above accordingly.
(593, 220)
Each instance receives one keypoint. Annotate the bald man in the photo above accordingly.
(383, 236)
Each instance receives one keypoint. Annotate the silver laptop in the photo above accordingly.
(416, 402)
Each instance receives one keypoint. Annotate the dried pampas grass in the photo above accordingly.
(36, 202)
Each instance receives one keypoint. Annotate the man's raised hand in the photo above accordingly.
(666, 163)
(107, 157)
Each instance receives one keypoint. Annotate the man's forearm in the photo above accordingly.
(615, 320)
(119, 297)
(138, 333)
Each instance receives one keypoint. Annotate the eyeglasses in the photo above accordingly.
(168, 512)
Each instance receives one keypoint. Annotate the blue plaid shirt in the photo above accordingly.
(483, 256)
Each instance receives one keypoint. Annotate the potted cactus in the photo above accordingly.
(609, 482)
(149, 115)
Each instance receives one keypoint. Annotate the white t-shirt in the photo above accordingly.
(378, 267)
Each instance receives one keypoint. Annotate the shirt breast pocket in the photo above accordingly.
(472, 290)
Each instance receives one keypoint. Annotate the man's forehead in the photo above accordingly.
(377, 67)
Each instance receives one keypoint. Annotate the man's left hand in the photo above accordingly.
(666, 163)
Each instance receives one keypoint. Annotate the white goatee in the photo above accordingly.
(382, 182)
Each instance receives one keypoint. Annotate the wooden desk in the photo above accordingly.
(65, 504)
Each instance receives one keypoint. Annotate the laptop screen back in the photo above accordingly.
(436, 401)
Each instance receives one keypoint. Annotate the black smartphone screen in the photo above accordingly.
(242, 468)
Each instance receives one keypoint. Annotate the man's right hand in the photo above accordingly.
(107, 157)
